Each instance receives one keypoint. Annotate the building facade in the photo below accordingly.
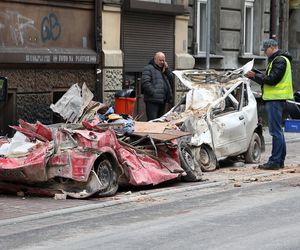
(294, 40)
(237, 29)
(47, 46)
(138, 30)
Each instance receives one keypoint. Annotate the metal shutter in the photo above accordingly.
(143, 35)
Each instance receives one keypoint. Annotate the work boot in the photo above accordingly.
(271, 166)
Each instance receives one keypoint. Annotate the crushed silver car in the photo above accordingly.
(220, 111)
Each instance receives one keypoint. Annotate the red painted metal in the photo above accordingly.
(31, 168)
(72, 154)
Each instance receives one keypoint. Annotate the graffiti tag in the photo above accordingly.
(17, 29)
(51, 28)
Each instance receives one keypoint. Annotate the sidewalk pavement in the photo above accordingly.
(289, 136)
(293, 154)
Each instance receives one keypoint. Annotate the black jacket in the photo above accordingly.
(156, 85)
(277, 71)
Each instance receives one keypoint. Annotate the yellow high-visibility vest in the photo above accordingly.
(282, 90)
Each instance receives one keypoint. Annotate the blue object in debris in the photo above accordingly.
(126, 126)
(110, 110)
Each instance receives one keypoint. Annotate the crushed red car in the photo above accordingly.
(86, 160)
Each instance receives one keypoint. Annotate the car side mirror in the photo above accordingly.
(3, 89)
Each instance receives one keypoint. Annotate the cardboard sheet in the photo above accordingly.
(150, 127)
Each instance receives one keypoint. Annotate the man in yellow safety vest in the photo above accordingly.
(277, 87)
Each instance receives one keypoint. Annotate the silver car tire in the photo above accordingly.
(188, 163)
(206, 158)
(253, 153)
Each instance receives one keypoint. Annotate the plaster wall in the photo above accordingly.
(34, 88)
(112, 75)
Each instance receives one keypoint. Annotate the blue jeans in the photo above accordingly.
(274, 111)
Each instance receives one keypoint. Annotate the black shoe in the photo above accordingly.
(271, 166)
(282, 165)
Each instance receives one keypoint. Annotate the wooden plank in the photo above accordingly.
(168, 135)
(149, 127)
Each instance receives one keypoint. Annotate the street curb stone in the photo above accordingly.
(106, 204)
(123, 200)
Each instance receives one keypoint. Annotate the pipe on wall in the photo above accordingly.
(98, 47)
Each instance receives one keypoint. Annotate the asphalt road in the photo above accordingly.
(262, 215)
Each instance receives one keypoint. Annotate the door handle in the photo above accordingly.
(241, 117)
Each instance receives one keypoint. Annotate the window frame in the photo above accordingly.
(260, 29)
(249, 4)
(198, 26)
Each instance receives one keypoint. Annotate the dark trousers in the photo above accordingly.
(154, 110)
(274, 111)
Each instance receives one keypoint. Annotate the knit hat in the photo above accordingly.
(269, 43)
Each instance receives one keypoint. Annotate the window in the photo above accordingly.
(201, 25)
(254, 28)
(198, 32)
(248, 26)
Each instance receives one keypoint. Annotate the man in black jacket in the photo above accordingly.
(277, 88)
(156, 86)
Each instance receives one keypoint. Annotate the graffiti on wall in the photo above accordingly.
(21, 31)
(51, 28)
(29, 37)
(17, 29)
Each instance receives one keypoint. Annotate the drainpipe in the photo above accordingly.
(98, 47)
(284, 24)
(208, 11)
(274, 19)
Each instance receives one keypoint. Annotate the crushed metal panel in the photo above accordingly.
(72, 153)
(82, 163)
(83, 190)
(31, 168)
(229, 135)
(141, 169)
(30, 134)
(230, 128)
(96, 140)
(38, 128)
(72, 164)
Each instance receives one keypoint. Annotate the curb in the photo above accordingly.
(123, 200)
